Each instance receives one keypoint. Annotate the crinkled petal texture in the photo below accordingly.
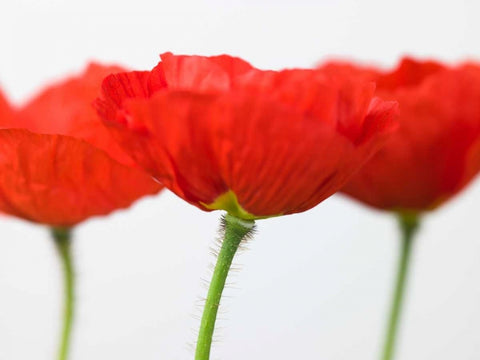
(61, 181)
(58, 164)
(436, 151)
(224, 135)
(66, 108)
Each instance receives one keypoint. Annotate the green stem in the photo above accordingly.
(409, 223)
(62, 239)
(235, 231)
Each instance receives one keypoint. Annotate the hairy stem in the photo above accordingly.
(62, 239)
(409, 223)
(235, 231)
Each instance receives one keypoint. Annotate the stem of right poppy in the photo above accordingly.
(409, 223)
(62, 239)
(235, 231)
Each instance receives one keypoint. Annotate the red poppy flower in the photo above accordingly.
(224, 135)
(436, 151)
(58, 164)
(6, 111)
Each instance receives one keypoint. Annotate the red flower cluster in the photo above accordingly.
(222, 134)
(436, 151)
(58, 164)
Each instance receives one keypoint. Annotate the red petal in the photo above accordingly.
(6, 112)
(341, 104)
(379, 120)
(280, 141)
(432, 156)
(66, 108)
(61, 181)
(117, 88)
(274, 159)
(202, 74)
(409, 73)
(304, 91)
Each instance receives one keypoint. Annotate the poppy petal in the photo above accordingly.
(204, 146)
(202, 74)
(432, 155)
(224, 135)
(61, 181)
(6, 112)
(66, 108)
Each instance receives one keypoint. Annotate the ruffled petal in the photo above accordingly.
(409, 73)
(202, 74)
(340, 104)
(66, 109)
(432, 156)
(60, 181)
(224, 135)
(274, 160)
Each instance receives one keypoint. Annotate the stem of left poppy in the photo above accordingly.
(63, 240)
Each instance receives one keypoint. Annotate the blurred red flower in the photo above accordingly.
(58, 163)
(224, 135)
(436, 151)
(6, 111)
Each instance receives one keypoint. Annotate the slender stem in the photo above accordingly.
(409, 223)
(235, 231)
(62, 239)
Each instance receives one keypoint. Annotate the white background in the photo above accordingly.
(313, 285)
